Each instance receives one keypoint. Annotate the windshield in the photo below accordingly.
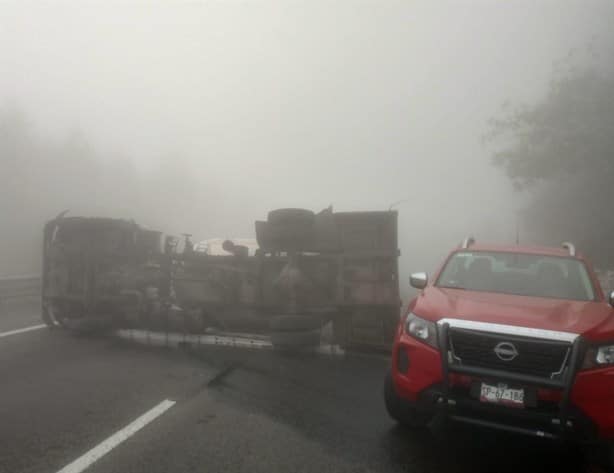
(518, 274)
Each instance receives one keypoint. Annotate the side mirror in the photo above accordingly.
(418, 280)
(611, 298)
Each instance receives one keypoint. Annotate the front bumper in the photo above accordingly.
(580, 405)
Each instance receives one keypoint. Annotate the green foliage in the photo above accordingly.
(571, 131)
(562, 149)
(40, 177)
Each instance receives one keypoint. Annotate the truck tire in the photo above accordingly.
(291, 217)
(400, 410)
(294, 323)
(295, 340)
(284, 236)
(264, 237)
(291, 233)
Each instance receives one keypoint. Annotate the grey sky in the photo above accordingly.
(273, 104)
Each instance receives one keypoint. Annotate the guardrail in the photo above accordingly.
(20, 287)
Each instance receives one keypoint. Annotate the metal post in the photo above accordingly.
(443, 346)
(569, 381)
(148, 327)
(184, 328)
(166, 326)
(202, 327)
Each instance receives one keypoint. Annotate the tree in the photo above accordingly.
(562, 151)
(40, 177)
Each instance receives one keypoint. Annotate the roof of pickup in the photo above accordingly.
(531, 250)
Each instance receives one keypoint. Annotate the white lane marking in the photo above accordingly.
(100, 450)
(22, 330)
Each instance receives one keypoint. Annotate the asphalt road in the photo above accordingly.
(19, 313)
(236, 410)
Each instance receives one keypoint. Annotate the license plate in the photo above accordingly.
(501, 394)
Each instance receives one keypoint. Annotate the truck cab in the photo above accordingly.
(99, 271)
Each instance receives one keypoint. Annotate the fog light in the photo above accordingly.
(402, 360)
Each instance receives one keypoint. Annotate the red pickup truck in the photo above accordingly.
(514, 338)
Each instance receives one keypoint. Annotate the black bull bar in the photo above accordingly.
(527, 422)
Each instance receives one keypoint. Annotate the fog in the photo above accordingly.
(202, 116)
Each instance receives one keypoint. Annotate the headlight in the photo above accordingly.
(598, 356)
(424, 330)
(605, 355)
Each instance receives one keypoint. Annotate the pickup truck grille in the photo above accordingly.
(535, 357)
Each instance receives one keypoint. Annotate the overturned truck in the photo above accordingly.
(332, 272)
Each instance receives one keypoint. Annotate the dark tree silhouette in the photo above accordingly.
(40, 177)
(562, 151)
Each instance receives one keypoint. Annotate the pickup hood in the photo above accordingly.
(592, 319)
